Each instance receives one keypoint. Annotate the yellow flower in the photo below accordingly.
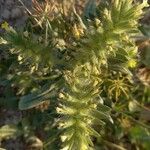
(132, 63)
(77, 31)
(5, 26)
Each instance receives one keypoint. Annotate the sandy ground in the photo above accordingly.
(13, 12)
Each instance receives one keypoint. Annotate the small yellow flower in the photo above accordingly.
(77, 31)
(132, 63)
(5, 26)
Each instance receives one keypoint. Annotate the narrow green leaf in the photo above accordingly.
(35, 99)
(90, 9)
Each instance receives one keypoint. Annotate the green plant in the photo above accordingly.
(85, 71)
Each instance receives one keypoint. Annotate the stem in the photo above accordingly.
(110, 144)
(46, 34)
(28, 10)
(46, 78)
(138, 122)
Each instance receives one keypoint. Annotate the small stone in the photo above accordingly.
(6, 14)
(9, 3)
(16, 13)
(1, 2)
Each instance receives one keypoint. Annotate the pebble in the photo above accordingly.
(9, 3)
(16, 13)
(6, 14)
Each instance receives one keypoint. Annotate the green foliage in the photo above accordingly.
(79, 108)
(137, 133)
(85, 71)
